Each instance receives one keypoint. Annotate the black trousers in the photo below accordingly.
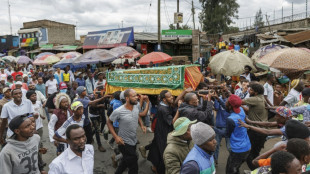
(88, 133)
(234, 162)
(129, 160)
(96, 125)
(257, 143)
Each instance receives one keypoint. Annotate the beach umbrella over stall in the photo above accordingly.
(95, 56)
(293, 62)
(46, 59)
(9, 58)
(70, 55)
(230, 63)
(23, 60)
(266, 50)
(125, 52)
(43, 54)
(155, 57)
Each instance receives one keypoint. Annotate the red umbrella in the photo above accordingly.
(155, 57)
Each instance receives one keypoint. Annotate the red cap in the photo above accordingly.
(62, 85)
(235, 102)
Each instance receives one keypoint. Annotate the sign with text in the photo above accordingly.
(177, 33)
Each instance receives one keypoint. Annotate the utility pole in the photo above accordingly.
(9, 6)
(76, 29)
(292, 10)
(274, 15)
(268, 23)
(282, 14)
(193, 12)
(306, 8)
(159, 32)
(178, 8)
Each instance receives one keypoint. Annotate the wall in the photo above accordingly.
(61, 35)
(304, 23)
(195, 45)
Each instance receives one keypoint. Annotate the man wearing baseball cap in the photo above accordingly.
(178, 145)
(200, 158)
(21, 149)
(77, 118)
(82, 97)
(283, 114)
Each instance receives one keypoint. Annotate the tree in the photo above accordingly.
(217, 15)
(183, 27)
(258, 23)
(231, 29)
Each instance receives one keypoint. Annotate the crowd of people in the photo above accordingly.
(188, 129)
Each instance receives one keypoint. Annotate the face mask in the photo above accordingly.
(63, 90)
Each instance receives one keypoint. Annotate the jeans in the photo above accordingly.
(47, 114)
(129, 160)
(96, 126)
(234, 161)
(147, 120)
(257, 143)
(218, 138)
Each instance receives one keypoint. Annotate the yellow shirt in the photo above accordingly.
(66, 77)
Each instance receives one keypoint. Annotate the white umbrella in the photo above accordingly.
(121, 61)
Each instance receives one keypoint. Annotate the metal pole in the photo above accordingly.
(178, 8)
(159, 32)
(282, 14)
(292, 10)
(76, 29)
(193, 11)
(9, 6)
(306, 8)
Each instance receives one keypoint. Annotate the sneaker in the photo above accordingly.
(101, 149)
(114, 162)
(149, 130)
(111, 145)
(142, 151)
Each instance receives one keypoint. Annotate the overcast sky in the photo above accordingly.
(94, 15)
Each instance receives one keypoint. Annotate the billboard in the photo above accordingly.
(177, 33)
(33, 37)
(109, 38)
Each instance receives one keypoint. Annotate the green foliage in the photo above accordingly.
(183, 27)
(259, 19)
(231, 30)
(217, 15)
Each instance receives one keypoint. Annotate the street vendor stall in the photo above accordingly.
(153, 80)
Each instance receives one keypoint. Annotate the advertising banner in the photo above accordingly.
(109, 38)
(177, 33)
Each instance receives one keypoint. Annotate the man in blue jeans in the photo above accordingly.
(221, 117)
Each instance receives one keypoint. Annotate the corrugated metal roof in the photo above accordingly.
(299, 37)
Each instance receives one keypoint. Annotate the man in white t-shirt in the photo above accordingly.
(51, 85)
(293, 96)
(268, 89)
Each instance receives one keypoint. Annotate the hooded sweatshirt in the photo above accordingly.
(175, 153)
(19, 157)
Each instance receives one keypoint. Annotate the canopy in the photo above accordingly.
(125, 52)
(43, 54)
(293, 62)
(46, 59)
(265, 50)
(70, 55)
(155, 57)
(23, 60)
(230, 63)
(9, 58)
(153, 80)
(95, 56)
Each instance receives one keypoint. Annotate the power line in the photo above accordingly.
(194, 6)
(148, 15)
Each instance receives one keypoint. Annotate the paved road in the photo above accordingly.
(103, 164)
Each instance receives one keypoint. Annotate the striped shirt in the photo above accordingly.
(62, 130)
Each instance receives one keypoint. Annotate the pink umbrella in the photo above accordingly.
(70, 55)
(155, 57)
(23, 60)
